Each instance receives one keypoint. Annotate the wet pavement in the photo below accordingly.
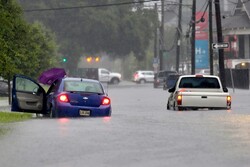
(140, 133)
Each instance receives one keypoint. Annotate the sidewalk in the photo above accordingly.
(4, 105)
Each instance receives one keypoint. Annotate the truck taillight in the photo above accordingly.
(179, 99)
(229, 100)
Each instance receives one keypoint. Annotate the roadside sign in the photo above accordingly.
(201, 54)
(220, 45)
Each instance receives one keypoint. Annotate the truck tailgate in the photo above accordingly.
(204, 99)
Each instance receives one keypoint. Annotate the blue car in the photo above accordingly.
(66, 97)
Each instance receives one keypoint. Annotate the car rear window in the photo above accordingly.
(80, 86)
(199, 82)
(166, 73)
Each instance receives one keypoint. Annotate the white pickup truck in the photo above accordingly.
(100, 74)
(107, 76)
(192, 92)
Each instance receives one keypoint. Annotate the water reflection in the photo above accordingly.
(63, 128)
(106, 119)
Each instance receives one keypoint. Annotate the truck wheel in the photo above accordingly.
(176, 108)
(115, 81)
(168, 107)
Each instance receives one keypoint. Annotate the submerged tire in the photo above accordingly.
(115, 81)
(52, 113)
(168, 108)
(142, 81)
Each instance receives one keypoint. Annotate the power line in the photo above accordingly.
(89, 6)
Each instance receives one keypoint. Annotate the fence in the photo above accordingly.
(237, 78)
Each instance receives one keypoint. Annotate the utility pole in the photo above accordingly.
(156, 34)
(179, 31)
(193, 21)
(211, 37)
(162, 35)
(156, 40)
(220, 40)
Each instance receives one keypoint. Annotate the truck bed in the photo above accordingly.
(204, 99)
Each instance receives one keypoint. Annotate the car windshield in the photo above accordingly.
(199, 82)
(79, 86)
(173, 77)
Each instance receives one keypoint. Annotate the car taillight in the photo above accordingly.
(135, 75)
(229, 100)
(179, 99)
(63, 98)
(105, 101)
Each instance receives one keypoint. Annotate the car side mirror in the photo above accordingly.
(225, 89)
(171, 90)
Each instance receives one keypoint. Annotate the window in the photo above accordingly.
(105, 72)
(199, 82)
(23, 84)
(78, 86)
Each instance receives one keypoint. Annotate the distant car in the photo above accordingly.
(204, 71)
(170, 81)
(66, 97)
(3, 88)
(161, 77)
(142, 77)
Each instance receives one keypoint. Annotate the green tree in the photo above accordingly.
(25, 48)
(40, 49)
(116, 30)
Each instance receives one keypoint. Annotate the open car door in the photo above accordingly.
(27, 95)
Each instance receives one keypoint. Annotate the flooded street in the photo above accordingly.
(141, 132)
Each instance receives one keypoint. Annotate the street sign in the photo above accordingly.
(220, 45)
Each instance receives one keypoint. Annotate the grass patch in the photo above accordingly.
(6, 117)
(3, 98)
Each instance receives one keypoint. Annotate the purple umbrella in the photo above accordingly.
(49, 76)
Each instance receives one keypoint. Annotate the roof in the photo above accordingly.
(79, 79)
(246, 5)
(185, 76)
(240, 18)
(237, 21)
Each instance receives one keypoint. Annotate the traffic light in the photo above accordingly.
(97, 59)
(64, 59)
(90, 59)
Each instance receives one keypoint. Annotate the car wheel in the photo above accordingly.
(142, 81)
(52, 113)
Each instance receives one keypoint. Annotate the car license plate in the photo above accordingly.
(85, 113)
